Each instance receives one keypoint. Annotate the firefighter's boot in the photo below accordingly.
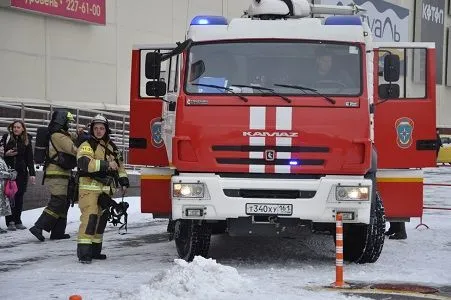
(401, 233)
(84, 253)
(46, 221)
(58, 230)
(37, 232)
(96, 249)
(393, 228)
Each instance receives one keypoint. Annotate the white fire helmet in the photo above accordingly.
(100, 119)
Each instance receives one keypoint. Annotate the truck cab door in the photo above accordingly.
(404, 125)
(146, 146)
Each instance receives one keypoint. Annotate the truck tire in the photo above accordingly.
(192, 238)
(364, 243)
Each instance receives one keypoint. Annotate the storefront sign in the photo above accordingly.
(92, 11)
(388, 22)
(432, 29)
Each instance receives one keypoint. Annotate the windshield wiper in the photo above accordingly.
(263, 89)
(221, 88)
(303, 88)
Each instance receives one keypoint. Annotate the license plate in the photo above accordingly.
(269, 209)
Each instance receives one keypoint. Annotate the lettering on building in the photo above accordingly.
(432, 13)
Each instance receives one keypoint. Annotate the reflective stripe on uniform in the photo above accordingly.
(97, 241)
(90, 187)
(53, 214)
(85, 241)
(95, 188)
(97, 165)
(122, 174)
(59, 173)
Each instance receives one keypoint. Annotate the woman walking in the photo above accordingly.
(18, 155)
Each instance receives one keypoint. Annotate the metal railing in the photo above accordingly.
(39, 115)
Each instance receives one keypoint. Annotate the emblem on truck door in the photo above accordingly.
(404, 132)
(155, 130)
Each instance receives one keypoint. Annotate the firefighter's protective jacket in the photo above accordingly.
(63, 142)
(93, 167)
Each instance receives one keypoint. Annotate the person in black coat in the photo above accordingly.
(326, 75)
(397, 231)
(439, 142)
(18, 155)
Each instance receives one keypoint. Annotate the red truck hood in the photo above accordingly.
(245, 138)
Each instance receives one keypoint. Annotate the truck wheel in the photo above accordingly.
(364, 243)
(192, 238)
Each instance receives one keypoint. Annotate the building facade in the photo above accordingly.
(49, 59)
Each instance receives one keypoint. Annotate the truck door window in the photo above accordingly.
(412, 79)
(173, 73)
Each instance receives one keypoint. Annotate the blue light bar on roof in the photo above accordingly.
(209, 20)
(343, 20)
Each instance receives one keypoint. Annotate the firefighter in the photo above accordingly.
(326, 74)
(101, 171)
(397, 231)
(60, 160)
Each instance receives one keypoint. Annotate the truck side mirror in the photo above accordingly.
(181, 47)
(156, 88)
(389, 91)
(177, 50)
(153, 65)
(391, 68)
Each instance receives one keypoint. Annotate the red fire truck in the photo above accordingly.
(278, 121)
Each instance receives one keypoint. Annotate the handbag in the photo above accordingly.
(11, 189)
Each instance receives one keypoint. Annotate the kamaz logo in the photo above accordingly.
(270, 134)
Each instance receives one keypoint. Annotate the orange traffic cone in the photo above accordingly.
(75, 297)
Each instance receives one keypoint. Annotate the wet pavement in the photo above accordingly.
(401, 291)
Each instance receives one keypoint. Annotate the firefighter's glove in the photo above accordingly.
(123, 181)
(105, 201)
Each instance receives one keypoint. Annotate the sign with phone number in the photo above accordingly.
(92, 11)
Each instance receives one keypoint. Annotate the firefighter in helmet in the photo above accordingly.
(101, 172)
(60, 161)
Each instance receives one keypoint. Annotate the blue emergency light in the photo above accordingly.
(343, 20)
(209, 20)
(294, 162)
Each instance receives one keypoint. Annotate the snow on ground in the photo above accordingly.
(143, 264)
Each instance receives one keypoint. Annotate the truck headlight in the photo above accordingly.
(188, 190)
(345, 193)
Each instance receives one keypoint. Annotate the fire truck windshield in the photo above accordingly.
(325, 68)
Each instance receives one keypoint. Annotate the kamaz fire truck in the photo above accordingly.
(242, 130)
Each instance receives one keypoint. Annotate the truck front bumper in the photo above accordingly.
(305, 199)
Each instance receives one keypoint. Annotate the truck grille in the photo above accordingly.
(292, 149)
(257, 161)
(269, 194)
(278, 161)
